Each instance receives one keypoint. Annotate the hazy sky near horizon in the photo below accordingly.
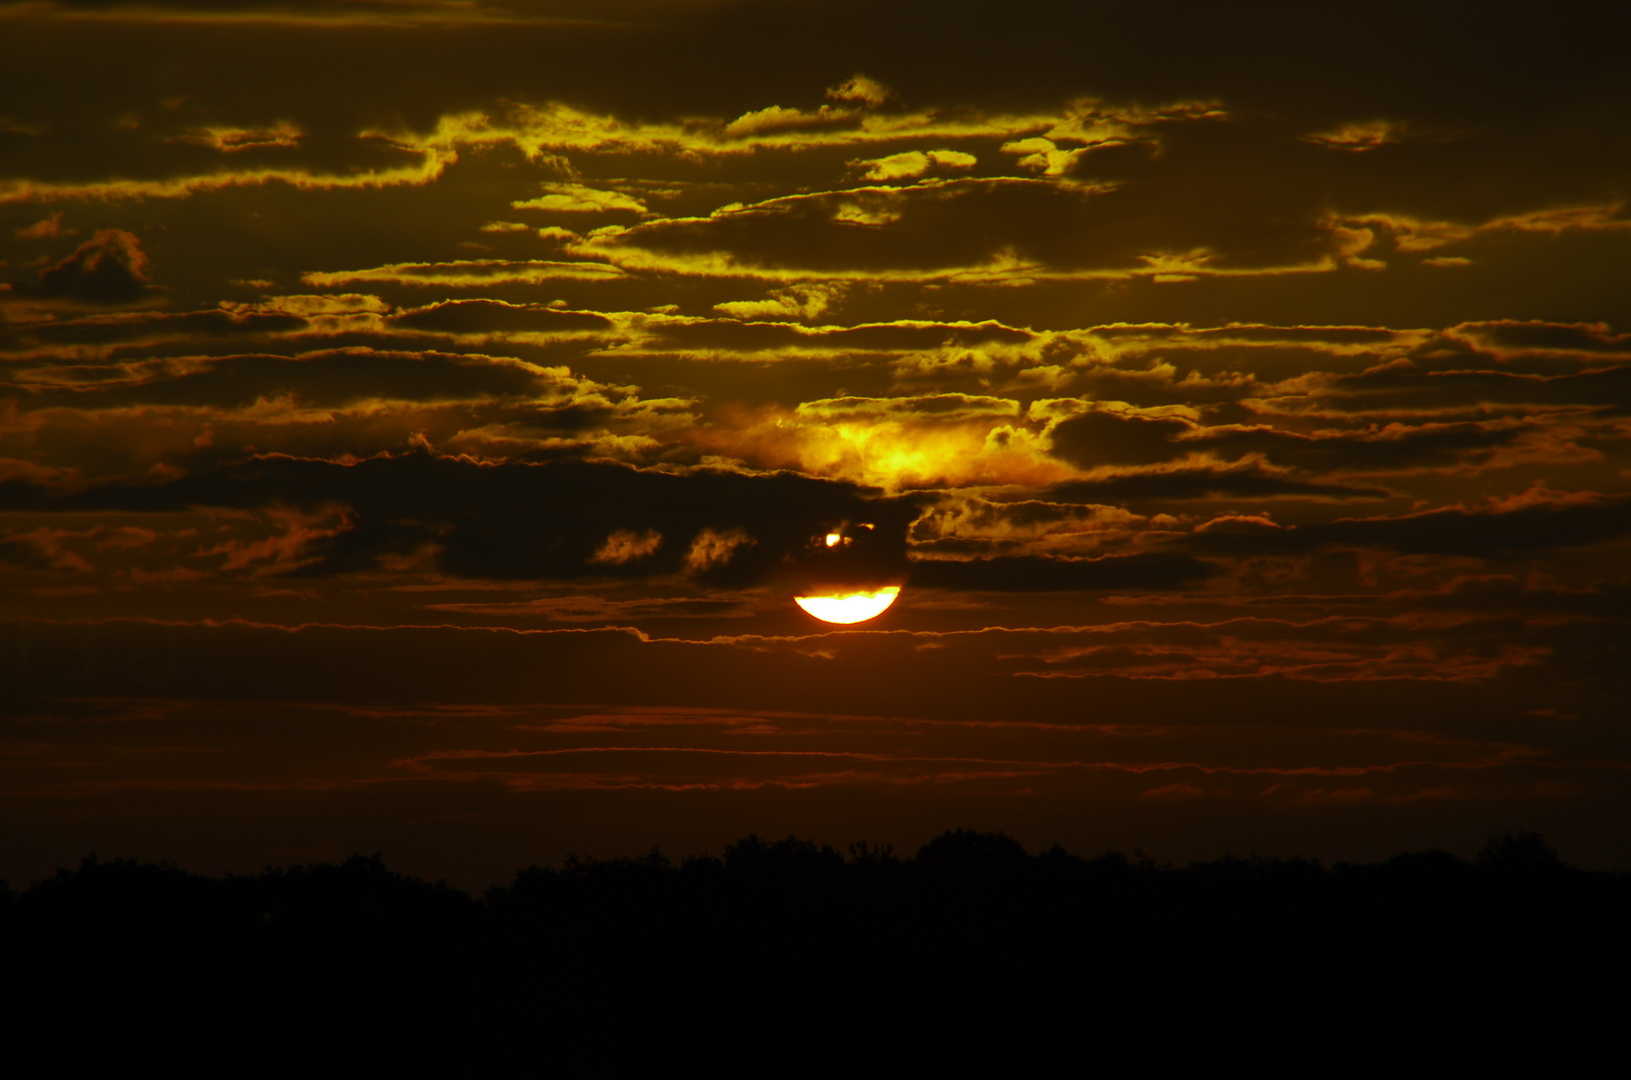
(417, 418)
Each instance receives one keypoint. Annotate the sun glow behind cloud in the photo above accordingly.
(851, 607)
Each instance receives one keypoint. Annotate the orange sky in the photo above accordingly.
(418, 418)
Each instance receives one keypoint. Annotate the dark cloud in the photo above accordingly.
(1106, 438)
(1534, 527)
(1407, 448)
(144, 329)
(728, 335)
(238, 7)
(1334, 335)
(493, 317)
(1247, 481)
(328, 379)
(1575, 337)
(110, 268)
(1050, 226)
(552, 520)
(1406, 386)
(1033, 573)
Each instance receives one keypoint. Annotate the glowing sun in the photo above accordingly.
(851, 607)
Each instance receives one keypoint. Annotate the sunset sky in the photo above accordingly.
(419, 415)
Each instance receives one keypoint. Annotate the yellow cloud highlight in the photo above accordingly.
(1175, 266)
(579, 199)
(427, 169)
(470, 272)
(912, 163)
(642, 248)
(895, 166)
(434, 156)
(544, 133)
(872, 213)
(1039, 153)
(777, 120)
(953, 159)
(798, 302)
(307, 306)
(893, 443)
(956, 408)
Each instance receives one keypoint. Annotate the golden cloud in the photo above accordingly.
(964, 525)
(624, 546)
(430, 166)
(953, 159)
(545, 133)
(1412, 234)
(912, 163)
(779, 121)
(1359, 135)
(1037, 152)
(287, 548)
(579, 199)
(493, 408)
(703, 246)
(711, 548)
(308, 306)
(466, 273)
(892, 443)
(44, 229)
(797, 302)
(861, 89)
(230, 140)
(894, 167)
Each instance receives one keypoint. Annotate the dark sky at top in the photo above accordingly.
(417, 418)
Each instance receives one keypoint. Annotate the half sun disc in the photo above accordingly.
(849, 607)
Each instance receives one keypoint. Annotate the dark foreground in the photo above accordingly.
(786, 957)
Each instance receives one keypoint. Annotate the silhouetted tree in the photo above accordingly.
(1519, 853)
(971, 955)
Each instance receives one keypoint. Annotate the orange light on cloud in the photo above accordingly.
(849, 607)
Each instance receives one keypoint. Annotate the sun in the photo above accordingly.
(851, 607)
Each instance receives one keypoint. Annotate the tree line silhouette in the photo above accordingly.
(786, 954)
